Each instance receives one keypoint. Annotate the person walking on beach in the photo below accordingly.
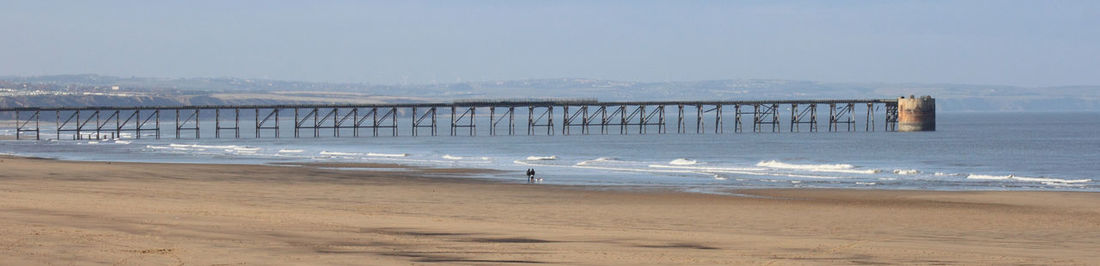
(530, 175)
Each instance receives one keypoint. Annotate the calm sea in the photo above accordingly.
(970, 151)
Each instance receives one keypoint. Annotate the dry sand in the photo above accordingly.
(57, 212)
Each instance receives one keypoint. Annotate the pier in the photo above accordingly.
(543, 117)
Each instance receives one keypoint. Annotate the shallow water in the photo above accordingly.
(970, 151)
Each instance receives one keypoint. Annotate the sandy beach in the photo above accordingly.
(60, 212)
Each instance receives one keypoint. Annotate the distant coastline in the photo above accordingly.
(99, 90)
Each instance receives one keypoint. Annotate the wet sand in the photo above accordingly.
(59, 212)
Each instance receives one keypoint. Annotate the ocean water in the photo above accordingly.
(970, 151)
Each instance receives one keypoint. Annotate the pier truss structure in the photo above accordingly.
(577, 117)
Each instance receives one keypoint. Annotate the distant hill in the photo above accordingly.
(97, 90)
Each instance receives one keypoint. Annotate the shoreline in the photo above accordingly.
(62, 212)
(454, 172)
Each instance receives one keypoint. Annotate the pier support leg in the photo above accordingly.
(698, 119)
(774, 118)
(565, 120)
(97, 128)
(374, 116)
(794, 118)
(680, 119)
(756, 118)
(661, 120)
(603, 120)
(737, 118)
(813, 117)
(550, 120)
(622, 120)
(870, 124)
(197, 126)
(832, 117)
(393, 120)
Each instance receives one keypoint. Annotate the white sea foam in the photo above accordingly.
(1056, 184)
(866, 183)
(623, 169)
(597, 160)
(682, 161)
(706, 168)
(1050, 180)
(450, 157)
(1027, 179)
(942, 174)
(290, 151)
(93, 142)
(678, 169)
(906, 171)
(834, 168)
(122, 142)
(778, 164)
(197, 146)
(387, 154)
(336, 153)
(542, 158)
(987, 177)
(739, 170)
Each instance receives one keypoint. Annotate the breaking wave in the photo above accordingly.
(1045, 180)
(834, 168)
(336, 153)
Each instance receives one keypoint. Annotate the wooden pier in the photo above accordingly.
(583, 117)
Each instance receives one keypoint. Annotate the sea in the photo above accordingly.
(967, 152)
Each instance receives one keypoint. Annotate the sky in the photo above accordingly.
(1022, 43)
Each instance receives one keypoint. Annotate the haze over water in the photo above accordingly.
(969, 151)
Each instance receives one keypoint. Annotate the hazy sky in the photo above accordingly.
(1031, 43)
